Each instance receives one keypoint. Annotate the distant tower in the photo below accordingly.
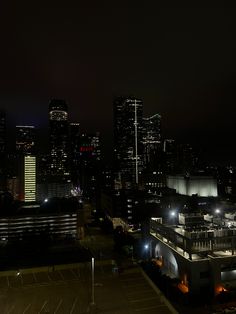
(59, 139)
(170, 151)
(2, 132)
(29, 178)
(74, 151)
(128, 124)
(151, 137)
(2, 150)
(26, 164)
(56, 181)
(153, 174)
(89, 163)
(25, 139)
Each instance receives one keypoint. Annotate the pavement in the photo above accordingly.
(69, 290)
(120, 286)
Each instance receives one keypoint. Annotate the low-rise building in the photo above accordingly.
(30, 222)
(202, 256)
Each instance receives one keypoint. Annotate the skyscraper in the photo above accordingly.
(26, 164)
(151, 137)
(2, 132)
(128, 147)
(74, 151)
(153, 176)
(29, 178)
(59, 141)
(89, 163)
(56, 181)
(25, 139)
(170, 151)
(2, 150)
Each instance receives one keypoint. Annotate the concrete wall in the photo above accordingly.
(203, 186)
(195, 274)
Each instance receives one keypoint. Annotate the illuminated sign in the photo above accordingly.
(86, 149)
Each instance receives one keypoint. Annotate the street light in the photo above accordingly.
(92, 270)
(173, 215)
(148, 250)
(218, 216)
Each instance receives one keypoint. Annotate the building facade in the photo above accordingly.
(205, 186)
(2, 150)
(201, 255)
(25, 139)
(29, 178)
(59, 140)
(23, 227)
(128, 145)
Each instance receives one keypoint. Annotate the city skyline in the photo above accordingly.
(179, 61)
(225, 157)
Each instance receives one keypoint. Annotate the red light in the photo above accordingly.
(86, 148)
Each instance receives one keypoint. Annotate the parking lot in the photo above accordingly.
(45, 292)
(69, 291)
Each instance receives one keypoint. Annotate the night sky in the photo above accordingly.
(179, 60)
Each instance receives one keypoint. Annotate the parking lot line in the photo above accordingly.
(73, 305)
(58, 306)
(11, 309)
(44, 304)
(27, 307)
(21, 279)
(49, 278)
(35, 280)
(76, 273)
(60, 273)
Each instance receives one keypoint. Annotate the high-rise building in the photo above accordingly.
(25, 139)
(187, 158)
(151, 136)
(59, 140)
(56, 180)
(2, 132)
(153, 174)
(170, 151)
(89, 163)
(128, 130)
(29, 178)
(74, 151)
(2, 150)
(24, 182)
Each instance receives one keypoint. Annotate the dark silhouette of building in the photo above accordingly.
(170, 151)
(154, 163)
(74, 152)
(56, 182)
(2, 132)
(128, 146)
(2, 150)
(23, 185)
(89, 164)
(59, 140)
(25, 139)
(151, 137)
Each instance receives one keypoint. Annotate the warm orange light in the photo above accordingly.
(158, 262)
(220, 289)
(183, 288)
